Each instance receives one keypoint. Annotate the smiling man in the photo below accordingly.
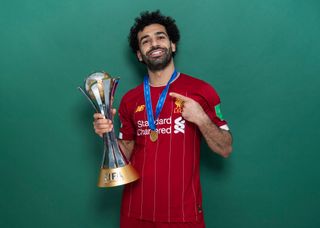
(155, 47)
(162, 122)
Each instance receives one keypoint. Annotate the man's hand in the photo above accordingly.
(219, 141)
(191, 110)
(101, 124)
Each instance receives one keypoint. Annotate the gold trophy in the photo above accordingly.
(115, 169)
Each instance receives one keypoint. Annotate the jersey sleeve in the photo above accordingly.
(212, 106)
(127, 128)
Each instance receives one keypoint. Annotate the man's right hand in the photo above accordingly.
(101, 124)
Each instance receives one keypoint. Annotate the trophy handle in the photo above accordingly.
(89, 99)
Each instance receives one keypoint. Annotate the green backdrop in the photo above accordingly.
(261, 56)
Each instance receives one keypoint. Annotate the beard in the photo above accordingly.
(158, 63)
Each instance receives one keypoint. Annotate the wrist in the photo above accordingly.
(203, 119)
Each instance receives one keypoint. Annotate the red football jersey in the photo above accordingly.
(169, 186)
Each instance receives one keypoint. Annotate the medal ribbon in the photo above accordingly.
(160, 103)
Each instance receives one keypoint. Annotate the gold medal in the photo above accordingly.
(153, 136)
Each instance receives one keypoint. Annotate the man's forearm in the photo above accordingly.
(219, 140)
(126, 147)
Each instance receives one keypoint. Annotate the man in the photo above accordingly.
(162, 121)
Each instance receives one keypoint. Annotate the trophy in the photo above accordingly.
(115, 169)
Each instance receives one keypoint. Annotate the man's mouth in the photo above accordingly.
(156, 53)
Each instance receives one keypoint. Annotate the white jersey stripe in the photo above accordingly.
(130, 198)
(193, 171)
(183, 187)
(169, 174)
(155, 182)
(143, 165)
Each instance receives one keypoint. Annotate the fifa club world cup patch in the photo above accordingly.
(217, 109)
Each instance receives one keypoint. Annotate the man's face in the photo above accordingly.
(155, 48)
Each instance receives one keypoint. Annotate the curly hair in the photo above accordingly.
(147, 18)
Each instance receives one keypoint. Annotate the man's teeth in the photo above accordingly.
(156, 52)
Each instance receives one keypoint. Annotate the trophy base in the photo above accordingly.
(117, 176)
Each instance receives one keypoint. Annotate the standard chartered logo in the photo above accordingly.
(163, 126)
(179, 125)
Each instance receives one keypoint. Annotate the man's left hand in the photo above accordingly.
(191, 110)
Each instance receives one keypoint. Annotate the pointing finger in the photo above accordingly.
(179, 96)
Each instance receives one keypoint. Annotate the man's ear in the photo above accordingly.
(139, 56)
(173, 46)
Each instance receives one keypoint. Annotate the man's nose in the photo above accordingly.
(154, 42)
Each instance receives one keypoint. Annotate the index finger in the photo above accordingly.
(179, 96)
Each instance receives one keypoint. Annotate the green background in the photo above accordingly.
(261, 56)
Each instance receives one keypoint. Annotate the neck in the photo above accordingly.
(161, 77)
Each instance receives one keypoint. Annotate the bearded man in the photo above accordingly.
(162, 122)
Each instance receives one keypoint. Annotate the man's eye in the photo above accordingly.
(144, 41)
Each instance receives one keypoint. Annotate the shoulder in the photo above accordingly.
(193, 83)
(133, 94)
(129, 99)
